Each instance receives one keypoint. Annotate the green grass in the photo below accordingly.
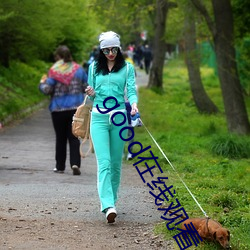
(19, 88)
(214, 164)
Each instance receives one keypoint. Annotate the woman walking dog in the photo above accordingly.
(109, 76)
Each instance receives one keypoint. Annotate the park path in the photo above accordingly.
(43, 210)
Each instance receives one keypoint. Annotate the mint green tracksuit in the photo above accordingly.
(107, 143)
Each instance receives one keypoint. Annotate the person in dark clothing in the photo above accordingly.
(93, 55)
(65, 83)
(147, 54)
(138, 55)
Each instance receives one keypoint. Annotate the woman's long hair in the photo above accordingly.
(102, 66)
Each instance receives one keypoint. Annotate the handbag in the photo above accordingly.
(81, 126)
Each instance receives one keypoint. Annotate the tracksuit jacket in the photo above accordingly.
(107, 142)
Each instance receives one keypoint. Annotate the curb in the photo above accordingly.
(22, 114)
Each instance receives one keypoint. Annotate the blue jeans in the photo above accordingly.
(108, 148)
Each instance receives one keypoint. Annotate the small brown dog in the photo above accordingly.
(210, 230)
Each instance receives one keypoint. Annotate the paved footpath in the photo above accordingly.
(40, 209)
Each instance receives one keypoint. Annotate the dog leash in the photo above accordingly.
(175, 170)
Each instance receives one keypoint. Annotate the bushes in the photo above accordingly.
(19, 88)
(231, 146)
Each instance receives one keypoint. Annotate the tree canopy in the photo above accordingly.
(32, 30)
(27, 32)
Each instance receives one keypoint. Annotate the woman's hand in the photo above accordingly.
(43, 79)
(90, 91)
(134, 109)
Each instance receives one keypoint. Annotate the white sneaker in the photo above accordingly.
(76, 170)
(129, 157)
(111, 214)
(58, 171)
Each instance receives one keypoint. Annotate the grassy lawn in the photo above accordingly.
(214, 164)
(19, 88)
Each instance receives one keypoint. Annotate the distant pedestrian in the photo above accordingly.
(111, 75)
(147, 54)
(138, 55)
(65, 84)
(92, 56)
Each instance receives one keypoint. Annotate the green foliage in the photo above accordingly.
(243, 60)
(174, 25)
(231, 146)
(241, 17)
(224, 200)
(128, 18)
(19, 87)
(219, 183)
(28, 33)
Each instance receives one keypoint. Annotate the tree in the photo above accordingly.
(223, 38)
(127, 17)
(159, 44)
(28, 33)
(201, 99)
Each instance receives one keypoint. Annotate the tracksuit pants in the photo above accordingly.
(108, 147)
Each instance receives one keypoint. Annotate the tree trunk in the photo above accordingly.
(235, 109)
(159, 46)
(201, 99)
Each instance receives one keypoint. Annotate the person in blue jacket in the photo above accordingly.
(109, 76)
(65, 83)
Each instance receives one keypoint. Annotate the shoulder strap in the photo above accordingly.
(87, 135)
(85, 139)
(126, 82)
(85, 99)
(90, 149)
(126, 75)
(93, 72)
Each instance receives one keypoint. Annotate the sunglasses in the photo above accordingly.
(106, 51)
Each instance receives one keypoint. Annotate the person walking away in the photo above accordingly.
(65, 84)
(92, 56)
(109, 76)
(147, 54)
(139, 56)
